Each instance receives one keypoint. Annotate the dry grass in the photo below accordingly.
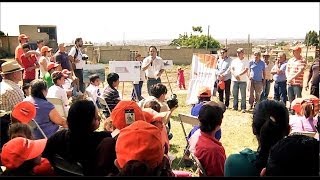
(236, 126)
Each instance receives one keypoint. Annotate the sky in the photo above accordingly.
(103, 22)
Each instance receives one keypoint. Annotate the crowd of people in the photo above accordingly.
(36, 140)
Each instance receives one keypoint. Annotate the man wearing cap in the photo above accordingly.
(223, 74)
(47, 77)
(239, 71)
(62, 57)
(294, 72)
(22, 38)
(257, 78)
(30, 63)
(279, 77)
(10, 92)
(75, 57)
(154, 67)
(268, 77)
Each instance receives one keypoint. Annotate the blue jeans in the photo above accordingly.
(280, 91)
(265, 91)
(294, 91)
(152, 81)
(242, 86)
(137, 88)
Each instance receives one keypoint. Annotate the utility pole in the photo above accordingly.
(248, 46)
(208, 37)
(226, 42)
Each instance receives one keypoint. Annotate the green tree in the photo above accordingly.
(195, 41)
(313, 38)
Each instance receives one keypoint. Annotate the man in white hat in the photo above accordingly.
(10, 92)
(268, 77)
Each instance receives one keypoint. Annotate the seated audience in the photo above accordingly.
(296, 155)
(57, 91)
(207, 149)
(48, 76)
(26, 89)
(20, 156)
(79, 142)
(270, 124)
(93, 88)
(139, 151)
(124, 114)
(47, 115)
(110, 93)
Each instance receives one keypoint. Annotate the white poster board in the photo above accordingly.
(167, 64)
(202, 74)
(127, 70)
(90, 69)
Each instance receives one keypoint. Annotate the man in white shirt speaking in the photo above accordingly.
(153, 66)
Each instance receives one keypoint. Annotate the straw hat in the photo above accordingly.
(10, 67)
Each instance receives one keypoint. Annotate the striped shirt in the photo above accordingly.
(11, 94)
(111, 95)
(293, 67)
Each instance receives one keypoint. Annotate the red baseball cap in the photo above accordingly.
(140, 141)
(18, 150)
(24, 112)
(66, 72)
(296, 104)
(125, 113)
(52, 65)
(296, 48)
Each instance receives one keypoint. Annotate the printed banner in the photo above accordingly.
(127, 70)
(202, 74)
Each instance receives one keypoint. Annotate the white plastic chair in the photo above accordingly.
(58, 104)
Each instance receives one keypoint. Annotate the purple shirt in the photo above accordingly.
(43, 108)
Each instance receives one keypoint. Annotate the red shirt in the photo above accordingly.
(211, 155)
(28, 62)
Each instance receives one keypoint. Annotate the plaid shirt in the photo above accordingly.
(293, 67)
(11, 94)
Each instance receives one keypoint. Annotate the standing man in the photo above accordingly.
(257, 78)
(30, 63)
(40, 44)
(138, 84)
(294, 72)
(239, 71)
(268, 77)
(314, 77)
(62, 57)
(22, 38)
(279, 77)
(75, 56)
(223, 73)
(154, 67)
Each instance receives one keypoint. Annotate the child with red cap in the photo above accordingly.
(20, 156)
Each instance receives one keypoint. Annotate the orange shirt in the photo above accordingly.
(18, 52)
